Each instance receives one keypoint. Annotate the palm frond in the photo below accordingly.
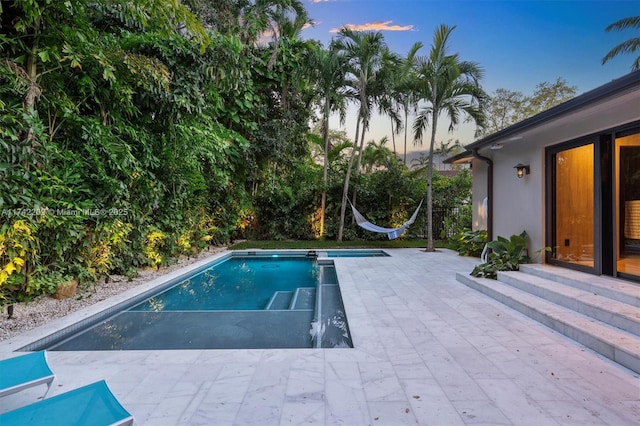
(623, 24)
(629, 46)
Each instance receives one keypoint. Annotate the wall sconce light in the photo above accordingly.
(521, 170)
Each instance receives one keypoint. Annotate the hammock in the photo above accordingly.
(392, 233)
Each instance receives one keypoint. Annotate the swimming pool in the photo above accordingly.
(262, 299)
(357, 253)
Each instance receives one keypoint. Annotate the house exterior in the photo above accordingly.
(577, 190)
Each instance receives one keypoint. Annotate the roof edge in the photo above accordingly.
(617, 85)
(461, 158)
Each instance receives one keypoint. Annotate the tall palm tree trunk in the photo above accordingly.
(434, 125)
(365, 124)
(393, 137)
(325, 172)
(345, 189)
(406, 124)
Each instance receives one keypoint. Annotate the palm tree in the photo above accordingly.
(286, 29)
(445, 85)
(247, 19)
(386, 94)
(378, 93)
(404, 89)
(285, 25)
(446, 149)
(420, 162)
(363, 52)
(629, 46)
(377, 155)
(330, 80)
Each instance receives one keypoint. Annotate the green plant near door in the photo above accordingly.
(505, 255)
(470, 243)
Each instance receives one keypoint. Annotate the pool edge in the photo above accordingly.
(77, 319)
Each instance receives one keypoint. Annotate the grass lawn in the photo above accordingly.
(326, 244)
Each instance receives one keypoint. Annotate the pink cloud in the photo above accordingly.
(376, 26)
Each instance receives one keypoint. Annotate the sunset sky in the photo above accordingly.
(519, 43)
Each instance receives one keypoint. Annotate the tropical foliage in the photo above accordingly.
(447, 86)
(135, 132)
(506, 254)
(131, 134)
(363, 54)
(470, 243)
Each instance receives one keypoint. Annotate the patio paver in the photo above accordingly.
(428, 350)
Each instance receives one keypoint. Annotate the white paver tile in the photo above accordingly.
(428, 351)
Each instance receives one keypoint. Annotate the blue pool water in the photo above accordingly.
(245, 300)
(236, 284)
(356, 253)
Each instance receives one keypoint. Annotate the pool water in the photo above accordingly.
(237, 284)
(241, 301)
(357, 253)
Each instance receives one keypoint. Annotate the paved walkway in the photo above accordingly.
(428, 350)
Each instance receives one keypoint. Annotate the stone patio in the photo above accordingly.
(428, 350)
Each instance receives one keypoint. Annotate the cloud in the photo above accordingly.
(375, 26)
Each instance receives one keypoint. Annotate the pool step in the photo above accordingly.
(279, 301)
(304, 298)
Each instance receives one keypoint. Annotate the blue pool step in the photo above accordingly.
(304, 298)
(280, 300)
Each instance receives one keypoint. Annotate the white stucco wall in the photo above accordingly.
(479, 192)
(519, 204)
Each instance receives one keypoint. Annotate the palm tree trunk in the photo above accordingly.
(434, 124)
(393, 137)
(406, 124)
(325, 173)
(345, 190)
(360, 151)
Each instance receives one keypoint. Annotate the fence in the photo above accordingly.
(446, 223)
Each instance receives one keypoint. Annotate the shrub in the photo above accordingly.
(46, 282)
(153, 243)
(18, 257)
(104, 242)
(505, 255)
(470, 243)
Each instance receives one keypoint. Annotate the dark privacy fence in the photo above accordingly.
(446, 223)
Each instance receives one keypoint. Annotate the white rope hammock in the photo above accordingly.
(392, 233)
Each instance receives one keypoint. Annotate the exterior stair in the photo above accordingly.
(598, 312)
(280, 300)
(303, 298)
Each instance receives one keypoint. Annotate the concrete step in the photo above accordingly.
(616, 289)
(601, 308)
(616, 344)
(303, 298)
(279, 301)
